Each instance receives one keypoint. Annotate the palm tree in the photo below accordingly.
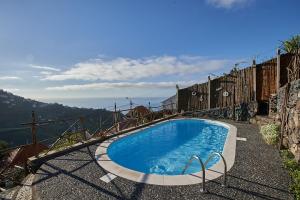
(292, 46)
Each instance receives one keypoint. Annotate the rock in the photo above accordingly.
(296, 120)
(273, 104)
(290, 139)
(298, 105)
(292, 133)
(285, 142)
(295, 149)
(294, 138)
(297, 157)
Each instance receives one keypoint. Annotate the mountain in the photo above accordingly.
(15, 110)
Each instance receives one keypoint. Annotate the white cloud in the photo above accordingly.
(126, 69)
(107, 85)
(227, 3)
(45, 68)
(11, 89)
(46, 73)
(4, 78)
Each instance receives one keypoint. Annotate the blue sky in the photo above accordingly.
(136, 48)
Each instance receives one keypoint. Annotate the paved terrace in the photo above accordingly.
(258, 173)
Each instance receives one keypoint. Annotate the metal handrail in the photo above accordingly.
(61, 136)
(225, 165)
(202, 167)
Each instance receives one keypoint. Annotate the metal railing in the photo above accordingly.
(203, 166)
(213, 154)
(62, 136)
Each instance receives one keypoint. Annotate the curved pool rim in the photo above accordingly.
(213, 172)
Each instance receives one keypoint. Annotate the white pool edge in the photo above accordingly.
(213, 172)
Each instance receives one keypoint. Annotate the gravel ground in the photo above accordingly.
(257, 173)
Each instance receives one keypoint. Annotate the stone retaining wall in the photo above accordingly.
(241, 112)
(273, 105)
(292, 136)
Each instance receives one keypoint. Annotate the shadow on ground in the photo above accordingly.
(257, 174)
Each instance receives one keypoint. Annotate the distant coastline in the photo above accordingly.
(104, 102)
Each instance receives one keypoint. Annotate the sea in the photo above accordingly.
(107, 103)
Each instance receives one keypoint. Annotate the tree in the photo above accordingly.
(292, 46)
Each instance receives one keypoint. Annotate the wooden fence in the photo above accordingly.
(245, 85)
(266, 77)
(193, 98)
(252, 84)
(222, 92)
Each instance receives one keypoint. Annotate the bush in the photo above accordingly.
(294, 171)
(270, 133)
(68, 140)
(296, 183)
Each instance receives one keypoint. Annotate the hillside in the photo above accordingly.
(15, 110)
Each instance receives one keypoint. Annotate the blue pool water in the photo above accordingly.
(165, 148)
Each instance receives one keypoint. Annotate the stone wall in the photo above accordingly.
(241, 112)
(245, 111)
(216, 113)
(292, 136)
(273, 105)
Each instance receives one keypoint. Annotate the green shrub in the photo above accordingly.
(290, 164)
(294, 171)
(296, 183)
(270, 133)
(286, 154)
(68, 140)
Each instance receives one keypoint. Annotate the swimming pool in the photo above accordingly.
(158, 153)
(165, 148)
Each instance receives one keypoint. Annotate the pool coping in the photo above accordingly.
(213, 172)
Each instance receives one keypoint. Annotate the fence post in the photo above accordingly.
(33, 128)
(254, 78)
(81, 119)
(118, 120)
(131, 111)
(278, 71)
(100, 123)
(177, 98)
(208, 93)
(115, 114)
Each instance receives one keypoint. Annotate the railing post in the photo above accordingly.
(131, 111)
(224, 162)
(278, 71)
(81, 119)
(100, 123)
(254, 79)
(203, 189)
(208, 94)
(177, 98)
(115, 114)
(33, 128)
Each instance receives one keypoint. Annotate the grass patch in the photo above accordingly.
(270, 133)
(68, 140)
(294, 170)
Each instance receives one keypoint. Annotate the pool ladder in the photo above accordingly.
(203, 165)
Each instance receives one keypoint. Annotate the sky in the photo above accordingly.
(133, 48)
